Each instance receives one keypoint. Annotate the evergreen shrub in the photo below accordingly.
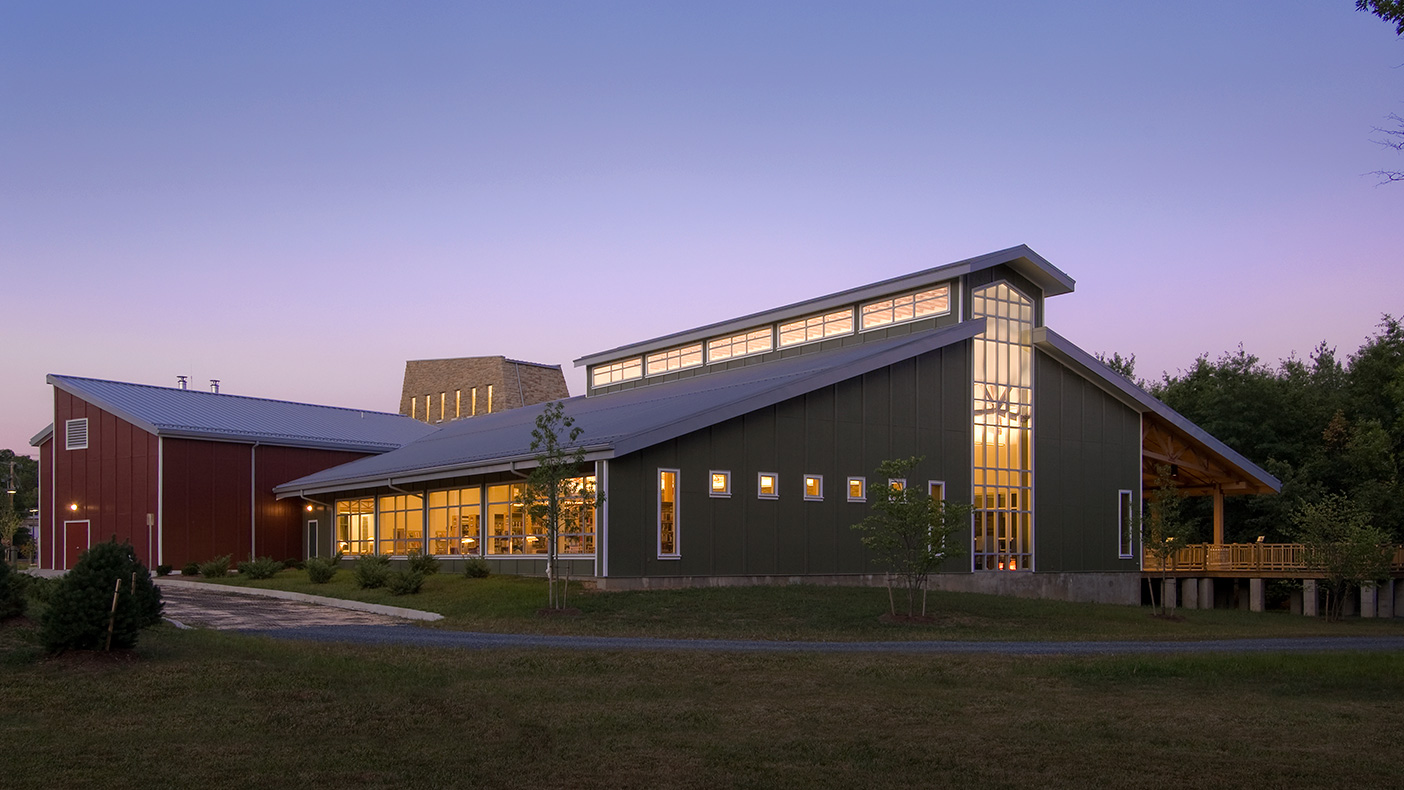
(261, 568)
(371, 570)
(405, 582)
(320, 570)
(163, 570)
(294, 563)
(216, 568)
(79, 609)
(190, 569)
(12, 587)
(426, 564)
(476, 569)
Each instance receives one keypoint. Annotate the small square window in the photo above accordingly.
(813, 487)
(897, 483)
(937, 489)
(766, 486)
(857, 489)
(721, 484)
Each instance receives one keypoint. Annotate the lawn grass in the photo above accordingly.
(807, 612)
(226, 710)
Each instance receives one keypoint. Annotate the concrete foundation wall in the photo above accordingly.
(1114, 588)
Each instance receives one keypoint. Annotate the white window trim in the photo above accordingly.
(891, 481)
(648, 359)
(931, 484)
(775, 485)
(1129, 551)
(70, 428)
(862, 486)
(814, 498)
(780, 334)
(707, 345)
(715, 494)
(676, 553)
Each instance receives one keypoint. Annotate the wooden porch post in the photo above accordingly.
(1218, 515)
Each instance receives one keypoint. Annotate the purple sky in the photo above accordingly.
(297, 198)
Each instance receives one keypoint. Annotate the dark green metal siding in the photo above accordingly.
(1087, 447)
(916, 407)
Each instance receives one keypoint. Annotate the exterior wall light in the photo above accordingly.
(73, 507)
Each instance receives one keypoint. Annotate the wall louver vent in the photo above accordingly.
(76, 434)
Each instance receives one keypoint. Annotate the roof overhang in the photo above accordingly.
(1203, 463)
(42, 436)
(1021, 259)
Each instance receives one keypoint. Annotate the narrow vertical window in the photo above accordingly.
(766, 486)
(414, 408)
(720, 484)
(937, 489)
(489, 399)
(813, 487)
(857, 489)
(667, 513)
(457, 404)
(1126, 516)
(473, 397)
(443, 406)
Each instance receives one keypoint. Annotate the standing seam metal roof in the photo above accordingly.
(167, 411)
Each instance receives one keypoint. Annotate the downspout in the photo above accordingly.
(160, 500)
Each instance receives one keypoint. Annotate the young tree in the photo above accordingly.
(80, 615)
(557, 495)
(910, 532)
(1165, 529)
(1343, 545)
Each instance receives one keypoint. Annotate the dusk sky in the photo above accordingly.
(296, 198)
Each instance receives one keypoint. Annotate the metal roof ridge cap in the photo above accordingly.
(202, 393)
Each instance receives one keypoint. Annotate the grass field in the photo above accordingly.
(224, 710)
(510, 604)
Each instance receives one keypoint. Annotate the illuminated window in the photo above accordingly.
(443, 406)
(936, 301)
(897, 484)
(817, 327)
(675, 359)
(937, 489)
(457, 404)
(766, 486)
(750, 342)
(667, 513)
(512, 530)
(857, 489)
(1126, 517)
(355, 526)
(473, 398)
(721, 484)
(455, 521)
(1002, 480)
(623, 370)
(813, 487)
(400, 525)
(414, 408)
(489, 403)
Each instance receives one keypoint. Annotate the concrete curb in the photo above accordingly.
(339, 603)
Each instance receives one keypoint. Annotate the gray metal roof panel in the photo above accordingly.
(1029, 263)
(1067, 352)
(42, 436)
(167, 411)
(628, 420)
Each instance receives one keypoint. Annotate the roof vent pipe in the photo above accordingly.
(181, 382)
(214, 386)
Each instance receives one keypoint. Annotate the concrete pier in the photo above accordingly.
(1189, 593)
(1255, 595)
(1309, 599)
(1206, 593)
(1167, 594)
(1369, 595)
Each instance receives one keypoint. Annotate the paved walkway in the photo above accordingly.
(192, 605)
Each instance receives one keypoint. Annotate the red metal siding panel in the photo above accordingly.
(46, 501)
(207, 501)
(280, 523)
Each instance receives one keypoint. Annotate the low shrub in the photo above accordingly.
(371, 570)
(41, 588)
(293, 563)
(163, 570)
(216, 568)
(426, 564)
(405, 582)
(12, 586)
(320, 570)
(261, 568)
(190, 569)
(80, 609)
(476, 569)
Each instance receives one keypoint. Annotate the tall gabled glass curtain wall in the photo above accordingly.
(396, 523)
(1003, 430)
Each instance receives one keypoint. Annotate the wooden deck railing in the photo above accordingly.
(1245, 558)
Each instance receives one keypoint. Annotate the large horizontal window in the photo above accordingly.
(455, 521)
(817, 327)
(754, 341)
(909, 307)
(512, 530)
(675, 359)
(601, 375)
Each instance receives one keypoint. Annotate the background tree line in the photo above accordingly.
(1325, 427)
